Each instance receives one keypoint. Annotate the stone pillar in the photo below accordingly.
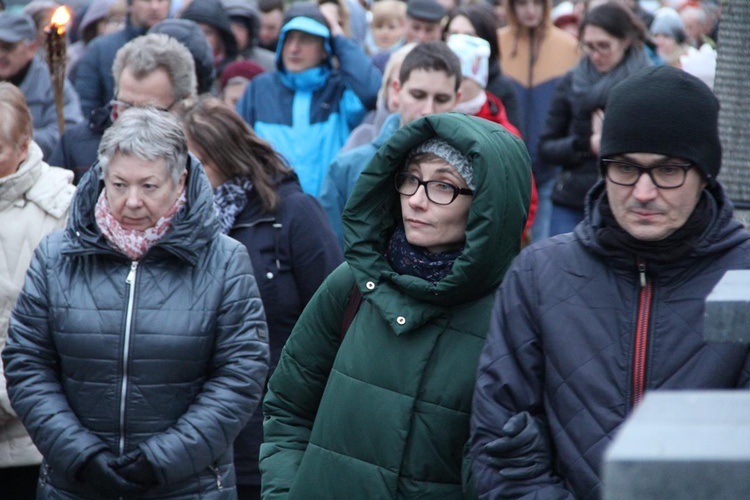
(687, 445)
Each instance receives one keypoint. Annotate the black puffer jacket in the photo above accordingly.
(566, 141)
(213, 14)
(562, 344)
(167, 354)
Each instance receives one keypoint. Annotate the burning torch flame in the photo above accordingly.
(60, 18)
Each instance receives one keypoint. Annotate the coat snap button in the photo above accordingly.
(401, 320)
(269, 275)
(370, 285)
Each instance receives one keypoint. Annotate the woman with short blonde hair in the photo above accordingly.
(34, 201)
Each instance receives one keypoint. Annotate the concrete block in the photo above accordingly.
(727, 317)
(682, 445)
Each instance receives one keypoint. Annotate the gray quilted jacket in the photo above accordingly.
(167, 354)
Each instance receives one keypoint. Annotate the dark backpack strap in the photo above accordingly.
(352, 306)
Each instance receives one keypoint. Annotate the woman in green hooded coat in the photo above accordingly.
(383, 411)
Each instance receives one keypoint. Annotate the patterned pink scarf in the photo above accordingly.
(132, 242)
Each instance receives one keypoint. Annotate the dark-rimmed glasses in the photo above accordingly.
(438, 192)
(117, 107)
(664, 176)
(602, 48)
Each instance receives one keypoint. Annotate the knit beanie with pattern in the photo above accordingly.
(449, 154)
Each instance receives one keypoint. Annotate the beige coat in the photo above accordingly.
(34, 201)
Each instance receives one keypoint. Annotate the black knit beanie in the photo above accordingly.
(663, 110)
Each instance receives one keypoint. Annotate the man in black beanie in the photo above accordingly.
(586, 322)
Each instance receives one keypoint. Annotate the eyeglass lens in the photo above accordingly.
(663, 176)
(438, 192)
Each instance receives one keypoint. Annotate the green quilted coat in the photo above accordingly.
(385, 413)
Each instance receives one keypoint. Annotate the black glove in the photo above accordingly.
(522, 452)
(136, 468)
(97, 474)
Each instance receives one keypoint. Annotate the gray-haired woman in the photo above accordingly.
(138, 347)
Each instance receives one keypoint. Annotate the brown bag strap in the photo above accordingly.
(352, 306)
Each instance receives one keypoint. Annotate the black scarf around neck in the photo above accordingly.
(675, 246)
(406, 258)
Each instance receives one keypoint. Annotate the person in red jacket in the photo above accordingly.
(475, 100)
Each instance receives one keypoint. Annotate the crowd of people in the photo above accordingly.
(352, 248)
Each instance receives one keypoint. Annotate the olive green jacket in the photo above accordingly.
(385, 413)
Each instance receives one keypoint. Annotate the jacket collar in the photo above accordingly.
(253, 213)
(722, 234)
(390, 125)
(15, 186)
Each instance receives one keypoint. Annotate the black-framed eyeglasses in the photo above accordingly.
(117, 106)
(9, 46)
(664, 176)
(438, 192)
(602, 47)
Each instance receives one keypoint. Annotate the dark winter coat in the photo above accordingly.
(386, 415)
(190, 34)
(78, 146)
(212, 13)
(501, 86)
(562, 344)
(566, 139)
(292, 251)
(167, 354)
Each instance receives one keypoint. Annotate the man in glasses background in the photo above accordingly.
(586, 322)
(153, 70)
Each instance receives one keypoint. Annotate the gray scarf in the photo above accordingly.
(230, 199)
(591, 88)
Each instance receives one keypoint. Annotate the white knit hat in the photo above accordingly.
(474, 54)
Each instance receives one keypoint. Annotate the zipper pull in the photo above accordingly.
(277, 226)
(131, 275)
(642, 272)
(217, 473)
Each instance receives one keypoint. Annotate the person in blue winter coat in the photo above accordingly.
(308, 107)
(138, 348)
(586, 322)
(261, 205)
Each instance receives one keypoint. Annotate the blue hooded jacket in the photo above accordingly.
(307, 115)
